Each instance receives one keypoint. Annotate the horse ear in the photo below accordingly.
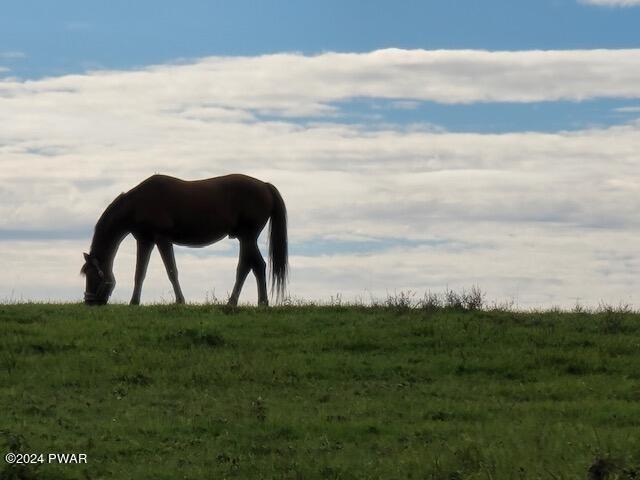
(96, 264)
(86, 257)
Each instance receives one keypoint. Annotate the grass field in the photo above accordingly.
(167, 392)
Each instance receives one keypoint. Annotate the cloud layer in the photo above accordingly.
(298, 85)
(540, 217)
(612, 3)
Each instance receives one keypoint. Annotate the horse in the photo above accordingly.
(162, 211)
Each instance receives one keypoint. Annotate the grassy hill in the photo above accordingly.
(170, 392)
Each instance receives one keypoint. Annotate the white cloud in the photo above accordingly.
(405, 104)
(532, 265)
(12, 55)
(634, 109)
(544, 217)
(297, 85)
(612, 3)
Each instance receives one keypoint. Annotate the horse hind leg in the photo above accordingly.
(260, 271)
(259, 267)
(168, 258)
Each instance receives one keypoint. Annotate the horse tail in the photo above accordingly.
(278, 244)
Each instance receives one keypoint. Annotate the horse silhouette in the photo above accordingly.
(163, 211)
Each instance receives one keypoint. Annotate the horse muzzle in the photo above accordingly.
(102, 294)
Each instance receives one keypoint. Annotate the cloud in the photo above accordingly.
(12, 55)
(526, 264)
(290, 85)
(544, 217)
(612, 3)
(405, 104)
(633, 109)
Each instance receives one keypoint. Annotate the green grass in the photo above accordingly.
(169, 392)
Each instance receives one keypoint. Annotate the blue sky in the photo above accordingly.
(446, 143)
(66, 36)
(56, 38)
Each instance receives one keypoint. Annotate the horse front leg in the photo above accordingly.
(142, 261)
(166, 252)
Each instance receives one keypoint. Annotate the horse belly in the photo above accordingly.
(198, 236)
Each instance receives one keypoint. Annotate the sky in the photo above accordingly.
(419, 146)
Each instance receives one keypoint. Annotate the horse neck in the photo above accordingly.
(109, 233)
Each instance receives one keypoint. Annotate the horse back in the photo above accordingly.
(201, 211)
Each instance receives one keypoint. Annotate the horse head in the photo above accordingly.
(99, 284)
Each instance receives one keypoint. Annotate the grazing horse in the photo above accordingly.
(164, 210)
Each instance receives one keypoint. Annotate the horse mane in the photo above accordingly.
(103, 223)
(107, 214)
